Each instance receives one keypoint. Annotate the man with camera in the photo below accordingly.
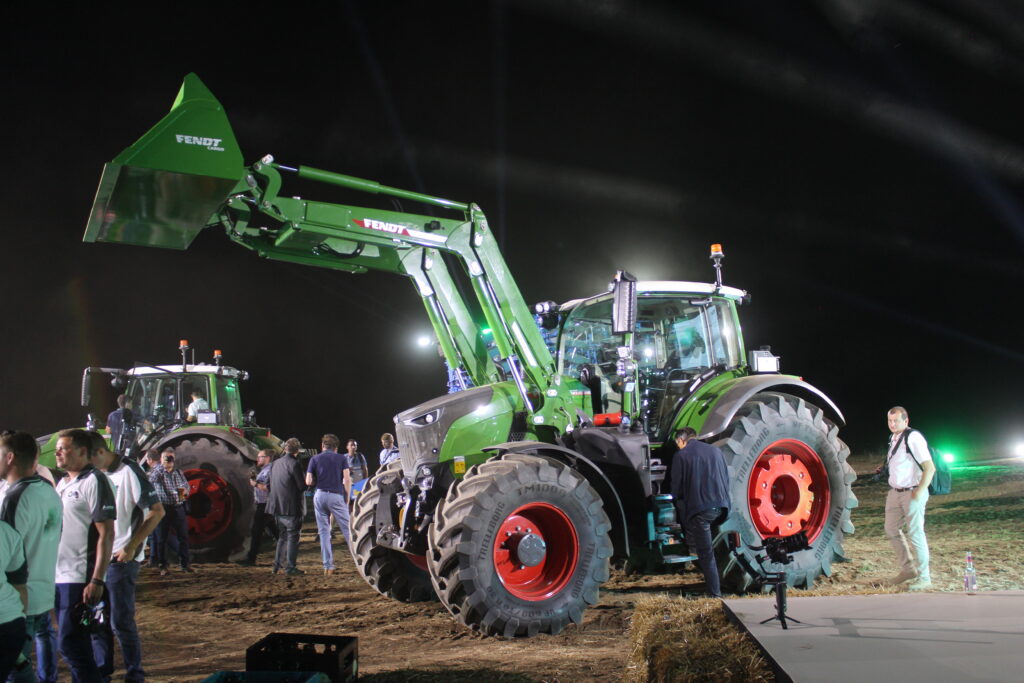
(86, 545)
(700, 487)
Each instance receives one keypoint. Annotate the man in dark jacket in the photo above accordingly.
(700, 486)
(285, 502)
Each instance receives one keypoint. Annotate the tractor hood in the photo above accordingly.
(165, 188)
(454, 425)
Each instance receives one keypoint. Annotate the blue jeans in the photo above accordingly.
(39, 629)
(287, 541)
(73, 639)
(120, 612)
(175, 520)
(698, 539)
(325, 504)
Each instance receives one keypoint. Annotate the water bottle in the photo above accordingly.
(970, 576)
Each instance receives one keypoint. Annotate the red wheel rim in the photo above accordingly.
(211, 508)
(535, 551)
(789, 490)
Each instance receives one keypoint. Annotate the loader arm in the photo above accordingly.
(186, 174)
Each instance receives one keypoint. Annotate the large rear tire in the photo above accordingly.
(519, 547)
(389, 572)
(788, 474)
(221, 502)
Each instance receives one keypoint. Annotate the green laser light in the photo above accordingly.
(948, 457)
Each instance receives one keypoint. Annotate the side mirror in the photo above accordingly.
(623, 303)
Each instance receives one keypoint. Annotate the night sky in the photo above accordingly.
(861, 162)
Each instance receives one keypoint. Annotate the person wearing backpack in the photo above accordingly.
(910, 472)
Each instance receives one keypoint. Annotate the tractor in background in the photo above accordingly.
(514, 495)
(216, 451)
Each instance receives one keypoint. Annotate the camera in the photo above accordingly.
(780, 550)
(89, 617)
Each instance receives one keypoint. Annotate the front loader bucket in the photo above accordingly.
(164, 189)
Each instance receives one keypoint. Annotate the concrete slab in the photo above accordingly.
(901, 637)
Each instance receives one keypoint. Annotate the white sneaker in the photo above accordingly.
(920, 585)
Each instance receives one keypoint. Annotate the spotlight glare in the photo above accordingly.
(423, 341)
(1018, 449)
(948, 457)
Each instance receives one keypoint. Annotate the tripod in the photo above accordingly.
(777, 551)
(778, 581)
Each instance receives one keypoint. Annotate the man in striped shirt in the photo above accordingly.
(172, 489)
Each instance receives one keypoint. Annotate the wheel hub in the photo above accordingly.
(535, 551)
(529, 549)
(788, 490)
(211, 509)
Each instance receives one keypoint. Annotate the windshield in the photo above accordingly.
(676, 340)
(154, 398)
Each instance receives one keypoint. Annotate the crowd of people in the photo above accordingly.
(71, 550)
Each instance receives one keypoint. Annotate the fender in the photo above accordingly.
(741, 389)
(241, 445)
(590, 471)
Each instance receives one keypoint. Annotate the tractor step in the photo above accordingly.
(677, 559)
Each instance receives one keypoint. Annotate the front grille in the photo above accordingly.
(422, 430)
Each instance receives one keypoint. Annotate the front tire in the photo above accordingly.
(788, 473)
(391, 573)
(519, 547)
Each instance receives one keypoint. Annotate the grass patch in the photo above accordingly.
(673, 639)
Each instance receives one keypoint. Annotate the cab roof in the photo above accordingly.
(199, 369)
(669, 287)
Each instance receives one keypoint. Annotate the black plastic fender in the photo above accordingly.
(243, 446)
(593, 474)
(741, 389)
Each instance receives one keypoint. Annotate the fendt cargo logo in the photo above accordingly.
(398, 229)
(212, 144)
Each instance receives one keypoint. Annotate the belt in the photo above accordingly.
(907, 489)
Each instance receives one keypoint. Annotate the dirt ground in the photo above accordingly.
(195, 624)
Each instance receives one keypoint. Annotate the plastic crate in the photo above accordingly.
(267, 677)
(336, 656)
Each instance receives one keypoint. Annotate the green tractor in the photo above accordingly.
(216, 448)
(514, 496)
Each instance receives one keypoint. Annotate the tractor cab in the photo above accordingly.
(159, 395)
(686, 333)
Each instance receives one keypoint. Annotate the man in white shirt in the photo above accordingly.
(910, 472)
(198, 405)
(86, 544)
(388, 451)
(138, 512)
(33, 508)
